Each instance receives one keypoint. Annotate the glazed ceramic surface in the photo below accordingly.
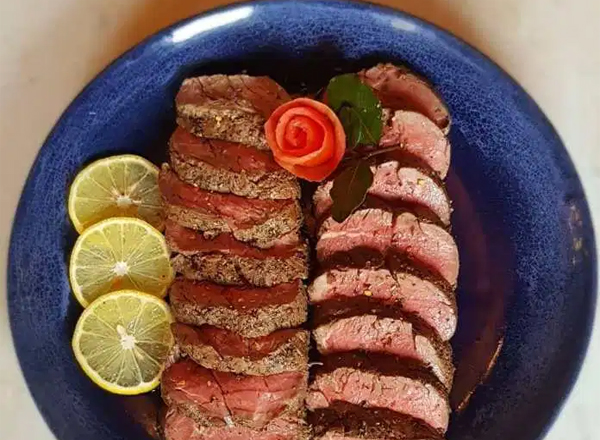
(527, 285)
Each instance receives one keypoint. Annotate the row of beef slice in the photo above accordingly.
(384, 306)
(282, 351)
(239, 369)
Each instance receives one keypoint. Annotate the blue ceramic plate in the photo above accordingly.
(521, 219)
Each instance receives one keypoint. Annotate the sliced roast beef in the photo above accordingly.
(178, 426)
(249, 311)
(397, 337)
(372, 234)
(225, 260)
(418, 138)
(230, 167)
(221, 350)
(342, 421)
(348, 290)
(250, 220)
(214, 398)
(399, 89)
(426, 245)
(365, 234)
(232, 108)
(399, 186)
(376, 381)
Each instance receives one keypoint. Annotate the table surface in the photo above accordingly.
(50, 50)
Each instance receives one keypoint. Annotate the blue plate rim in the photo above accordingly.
(576, 364)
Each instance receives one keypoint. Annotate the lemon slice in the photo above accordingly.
(122, 341)
(119, 253)
(118, 186)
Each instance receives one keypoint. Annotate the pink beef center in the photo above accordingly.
(219, 395)
(224, 155)
(187, 240)
(228, 343)
(240, 298)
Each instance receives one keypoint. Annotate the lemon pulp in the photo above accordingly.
(119, 253)
(122, 341)
(117, 186)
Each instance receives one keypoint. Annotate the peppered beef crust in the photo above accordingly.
(237, 271)
(342, 420)
(250, 312)
(274, 185)
(177, 426)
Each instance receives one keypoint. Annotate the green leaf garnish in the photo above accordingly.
(349, 190)
(357, 107)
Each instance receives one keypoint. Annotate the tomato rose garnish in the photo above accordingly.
(306, 138)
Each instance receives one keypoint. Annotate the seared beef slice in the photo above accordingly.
(384, 302)
(339, 291)
(221, 350)
(230, 167)
(353, 422)
(375, 381)
(232, 108)
(249, 220)
(178, 426)
(249, 311)
(399, 89)
(225, 260)
(416, 137)
(396, 337)
(376, 234)
(215, 398)
(399, 186)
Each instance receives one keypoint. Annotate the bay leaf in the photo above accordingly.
(357, 107)
(349, 190)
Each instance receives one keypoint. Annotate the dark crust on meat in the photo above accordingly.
(231, 125)
(262, 235)
(264, 185)
(361, 300)
(253, 323)
(327, 310)
(288, 430)
(423, 213)
(291, 356)
(346, 420)
(338, 308)
(295, 411)
(225, 260)
(237, 270)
